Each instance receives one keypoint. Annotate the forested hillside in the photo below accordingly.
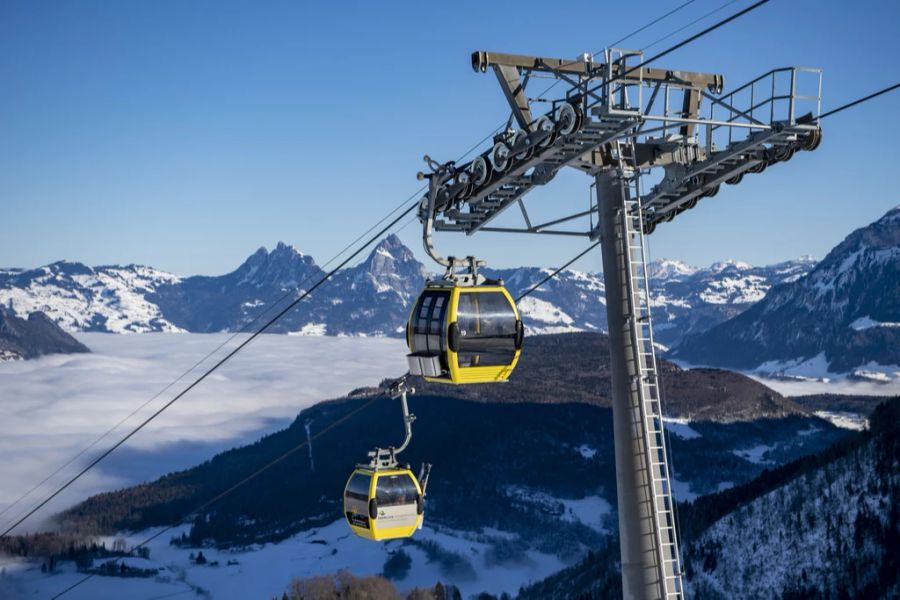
(824, 526)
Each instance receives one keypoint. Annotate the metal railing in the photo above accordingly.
(770, 98)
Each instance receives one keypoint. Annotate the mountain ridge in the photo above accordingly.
(369, 298)
(847, 308)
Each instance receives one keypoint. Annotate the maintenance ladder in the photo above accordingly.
(647, 424)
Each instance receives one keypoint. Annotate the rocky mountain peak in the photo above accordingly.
(392, 258)
(282, 249)
(285, 265)
(882, 234)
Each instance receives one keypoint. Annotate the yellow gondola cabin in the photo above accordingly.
(383, 503)
(464, 334)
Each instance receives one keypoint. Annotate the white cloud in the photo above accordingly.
(54, 406)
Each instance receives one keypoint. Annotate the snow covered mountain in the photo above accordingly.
(689, 300)
(686, 299)
(371, 298)
(229, 302)
(82, 298)
(844, 314)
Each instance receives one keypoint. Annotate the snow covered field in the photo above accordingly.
(800, 378)
(874, 380)
(56, 405)
(266, 571)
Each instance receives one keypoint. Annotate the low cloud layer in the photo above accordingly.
(56, 405)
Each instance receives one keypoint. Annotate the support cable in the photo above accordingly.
(694, 22)
(677, 46)
(834, 111)
(649, 25)
(556, 272)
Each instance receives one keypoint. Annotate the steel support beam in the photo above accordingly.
(514, 91)
(641, 568)
(481, 60)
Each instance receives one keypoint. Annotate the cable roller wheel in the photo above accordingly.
(759, 167)
(735, 180)
(567, 119)
(545, 124)
(783, 153)
(464, 180)
(712, 191)
(500, 156)
(479, 171)
(812, 140)
(521, 136)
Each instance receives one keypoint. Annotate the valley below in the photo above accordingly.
(535, 461)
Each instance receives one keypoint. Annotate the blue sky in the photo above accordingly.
(184, 135)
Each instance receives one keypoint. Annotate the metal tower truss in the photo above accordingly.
(659, 111)
(622, 122)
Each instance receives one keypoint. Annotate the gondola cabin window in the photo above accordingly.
(356, 500)
(358, 487)
(487, 328)
(395, 490)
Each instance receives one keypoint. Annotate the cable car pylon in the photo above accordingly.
(618, 122)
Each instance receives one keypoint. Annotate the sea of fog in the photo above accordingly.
(55, 406)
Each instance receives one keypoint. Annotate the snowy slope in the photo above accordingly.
(831, 532)
(81, 298)
(840, 314)
(467, 559)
